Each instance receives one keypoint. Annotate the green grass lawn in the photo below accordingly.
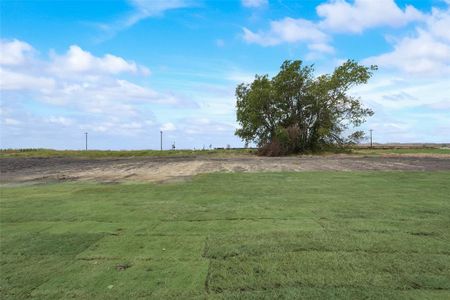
(231, 236)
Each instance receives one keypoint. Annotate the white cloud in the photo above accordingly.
(254, 3)
(14, 52)
(239, 76)
(407, 109)
(115, 128)
(168, 127)
(77, 60)
(13, 80)
(289, 30)
(427, 53)
(342, 16)
(10, 121)
(107, 95)
(206, 126)
(439, 23)
(397, 93)
(132, 125)
(83, 82)
(59, 120)
(321, 47)
(337, 16)
(420, 55)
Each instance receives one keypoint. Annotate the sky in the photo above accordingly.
(125, 70)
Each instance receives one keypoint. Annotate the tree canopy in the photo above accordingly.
(295, 111)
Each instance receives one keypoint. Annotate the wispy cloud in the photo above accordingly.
(142, 9)
(254, 3)
(153, 8)
(288, 30)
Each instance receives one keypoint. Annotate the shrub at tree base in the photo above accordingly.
(296, 112)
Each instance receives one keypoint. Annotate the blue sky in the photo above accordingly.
(124, 70)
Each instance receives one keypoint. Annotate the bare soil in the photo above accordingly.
(164, 169)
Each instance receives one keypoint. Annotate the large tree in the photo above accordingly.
(296, 112)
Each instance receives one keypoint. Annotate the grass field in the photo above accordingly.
(316, 235)
(213, 152)
(118, 153)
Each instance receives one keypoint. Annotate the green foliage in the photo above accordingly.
(315, 235)
(296, 112)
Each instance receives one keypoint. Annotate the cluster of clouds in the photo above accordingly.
(408, 108)
(78, 91)
(90, 87)
(336, 16)
(426, 51)
(77, 79)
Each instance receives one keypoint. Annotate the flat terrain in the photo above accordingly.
(16, 170)
(120, 153)
(287, 235)
(234, 152)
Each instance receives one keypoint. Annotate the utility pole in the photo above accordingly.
(86, 134)
(161, 139)
(371, 145)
